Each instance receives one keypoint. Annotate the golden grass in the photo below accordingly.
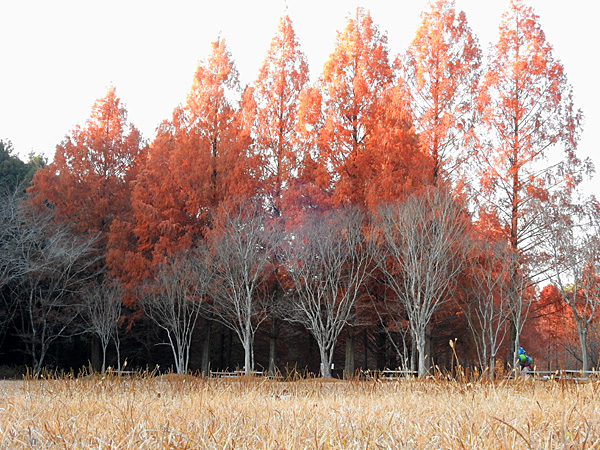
(192, 413)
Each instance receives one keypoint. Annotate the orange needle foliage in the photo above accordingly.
(441, 71)
(363, 135)
(197, 162)
(527, 109)
(310, 189)
(90, 180)
(528, 117)
(354, 77)
(551, 330)
(366, 138)
(277, 90)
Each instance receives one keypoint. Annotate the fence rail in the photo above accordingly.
(564, 374)
(389, 374)
(234, 374)
(397, 374)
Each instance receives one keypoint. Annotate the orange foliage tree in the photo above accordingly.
(197, 161)
(365, 150)
(440, 71)
(392, 167)
(273, 108)
(527, 114)
(310, 189)
(354, 78)
(276, 93)
(362, 150)
(550, 331)
(89, 182)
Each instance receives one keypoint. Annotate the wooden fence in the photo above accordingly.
(389, 374)
(563, 374)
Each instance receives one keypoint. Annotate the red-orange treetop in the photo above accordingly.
(282, 77)
(366, 138)
(440, 71)
(354, 76)
(527, 110)
(89, 181)
(198, 161)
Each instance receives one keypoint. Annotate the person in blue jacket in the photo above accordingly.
(525, 361)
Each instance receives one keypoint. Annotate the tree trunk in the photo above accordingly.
(117, 342)
(273, 347)
(428, 347)
(104, 346)
(247, 361)
(247, 344)
(222, 352)
(584, 350)
(325, 362)
(512, 343)
(421, 344)
(492, 367)
(422, 361)
(413, 354)
(381, 339)
(366, 349)
(205, 360)
(95, 353)
(177, 353)
(349, 361)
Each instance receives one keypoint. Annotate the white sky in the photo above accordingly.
(57, 57)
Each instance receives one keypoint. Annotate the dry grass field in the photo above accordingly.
(191, 413)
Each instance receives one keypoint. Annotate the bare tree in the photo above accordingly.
(328, 259)
(487, 307)
(423, 242)
(574, 249)
(174, 300)
(11, 239)
(242, 246)
(102, 312)
(55, 263)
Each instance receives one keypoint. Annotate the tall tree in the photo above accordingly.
(424, 241)
(89, 181)
(242, 245)
(174, 300)
(198, 160)
(527, 111)
(440, 71)
(328, 258)
(276, 97)
(354, 78)
(282, 77)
